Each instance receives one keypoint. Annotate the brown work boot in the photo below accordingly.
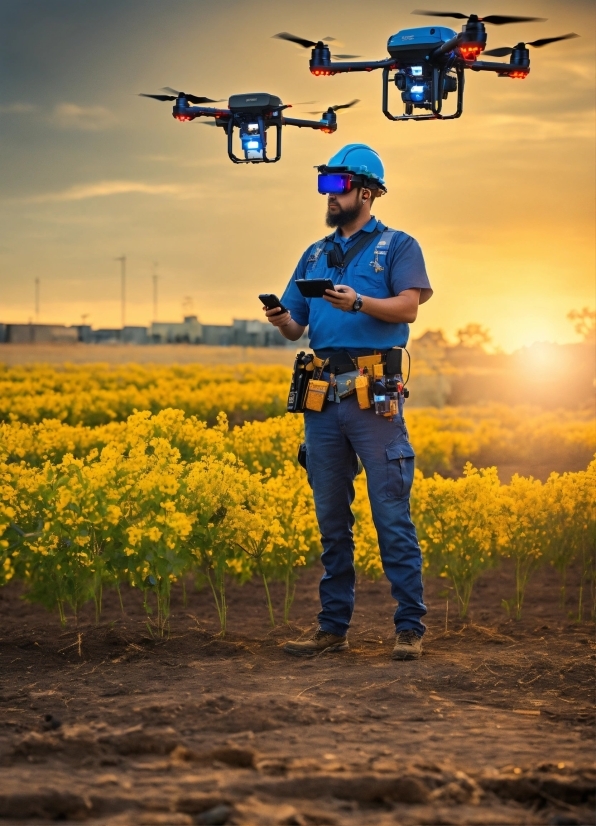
(319, 642)
(408, 646)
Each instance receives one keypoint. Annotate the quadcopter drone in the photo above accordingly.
(252, 115)
(429, 62)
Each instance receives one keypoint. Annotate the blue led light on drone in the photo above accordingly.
(417, 90)
(416, 71)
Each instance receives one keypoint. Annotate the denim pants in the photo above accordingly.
(334, 438)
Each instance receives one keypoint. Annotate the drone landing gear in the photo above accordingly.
(438, 91)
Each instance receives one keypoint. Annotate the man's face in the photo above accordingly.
(343, 209)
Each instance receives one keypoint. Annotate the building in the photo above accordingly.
(241, 333)
(40, 334)
(189, 331)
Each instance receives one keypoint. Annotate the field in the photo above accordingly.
(158, 546)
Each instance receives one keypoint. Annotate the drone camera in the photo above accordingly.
(253, 142)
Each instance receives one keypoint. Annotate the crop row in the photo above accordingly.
(156, 498)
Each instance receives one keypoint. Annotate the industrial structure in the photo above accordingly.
(241, 333)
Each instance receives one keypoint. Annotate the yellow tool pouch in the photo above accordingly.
(316, 395)
(368, 362)
(363, 392)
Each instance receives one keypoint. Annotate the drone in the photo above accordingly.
(429, 62)
(252, 115)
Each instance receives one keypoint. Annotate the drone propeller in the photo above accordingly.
(158, 97)
(310, 44)
(337, 107)
(495, 19)
(190, 98)
(537, 44)
(306, 44)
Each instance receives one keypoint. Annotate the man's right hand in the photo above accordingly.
(284, 322)
(276, 317)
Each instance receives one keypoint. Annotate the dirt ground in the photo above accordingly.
(106, 725)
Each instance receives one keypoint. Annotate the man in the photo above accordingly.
(377, 289)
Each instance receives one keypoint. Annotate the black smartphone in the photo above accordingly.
(271, 302)
(314, 287)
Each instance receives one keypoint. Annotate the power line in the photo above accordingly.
(122, 260)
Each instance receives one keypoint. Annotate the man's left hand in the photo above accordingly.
(342, 298)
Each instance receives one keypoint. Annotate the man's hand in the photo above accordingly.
(284, 322)
(342, 298)
(276, 317)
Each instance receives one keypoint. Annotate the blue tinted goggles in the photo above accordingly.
(337, 183)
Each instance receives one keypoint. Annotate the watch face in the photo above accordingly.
(357, 304)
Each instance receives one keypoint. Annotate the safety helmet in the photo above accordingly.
(358, 159)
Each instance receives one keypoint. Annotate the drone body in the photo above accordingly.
(429, 62)
(252, 115)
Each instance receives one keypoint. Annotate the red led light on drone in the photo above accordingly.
(322, 72)
(471, 51)
(519, 75)
(182, 117)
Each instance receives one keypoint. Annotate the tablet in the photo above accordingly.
(314, 287)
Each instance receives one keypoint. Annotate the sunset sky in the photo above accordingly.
(501, 200)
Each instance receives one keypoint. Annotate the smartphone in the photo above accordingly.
(314, 287)
(271, 302)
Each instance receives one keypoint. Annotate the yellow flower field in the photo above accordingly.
(135, 475)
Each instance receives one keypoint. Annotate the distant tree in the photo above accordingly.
(433, 338)
(473, 336)
(584, 323)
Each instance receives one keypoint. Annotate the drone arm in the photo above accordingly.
(500, 68)
(321, 64)
(192, 112)
(311, 124)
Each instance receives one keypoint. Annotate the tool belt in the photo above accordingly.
(333, 375)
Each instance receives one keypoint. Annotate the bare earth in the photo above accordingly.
(494, 725)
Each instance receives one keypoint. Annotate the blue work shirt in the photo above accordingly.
(332, 329)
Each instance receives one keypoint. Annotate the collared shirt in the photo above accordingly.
(329, 328)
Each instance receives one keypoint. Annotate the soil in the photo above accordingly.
(104, 724)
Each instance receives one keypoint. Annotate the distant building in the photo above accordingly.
(135, 335)
(106, 335)
(241, 333)
(217, 335)
(189, 331)
(40, 334)
(255, 334)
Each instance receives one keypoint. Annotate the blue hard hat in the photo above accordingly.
(359, 159)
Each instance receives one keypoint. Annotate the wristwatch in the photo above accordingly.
(357, 305)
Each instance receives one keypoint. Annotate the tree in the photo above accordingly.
(584, 323)
(473, 336)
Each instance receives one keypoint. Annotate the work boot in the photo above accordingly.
(408, 646)
(319, 642)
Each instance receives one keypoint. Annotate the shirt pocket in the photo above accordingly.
(368, 281)
(400, 468)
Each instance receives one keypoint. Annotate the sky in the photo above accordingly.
(501, 200)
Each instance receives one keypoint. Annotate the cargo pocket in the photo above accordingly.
(400, 469)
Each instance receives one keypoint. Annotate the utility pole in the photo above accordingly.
(122, 260)
(37, 300)
(155, 277)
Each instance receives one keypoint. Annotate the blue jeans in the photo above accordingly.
(334, 438)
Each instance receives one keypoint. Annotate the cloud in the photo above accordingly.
(102, 189)
(86, 118)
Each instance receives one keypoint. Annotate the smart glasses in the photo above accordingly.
(337, 183)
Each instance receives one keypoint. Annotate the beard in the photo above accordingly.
(342, 216)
